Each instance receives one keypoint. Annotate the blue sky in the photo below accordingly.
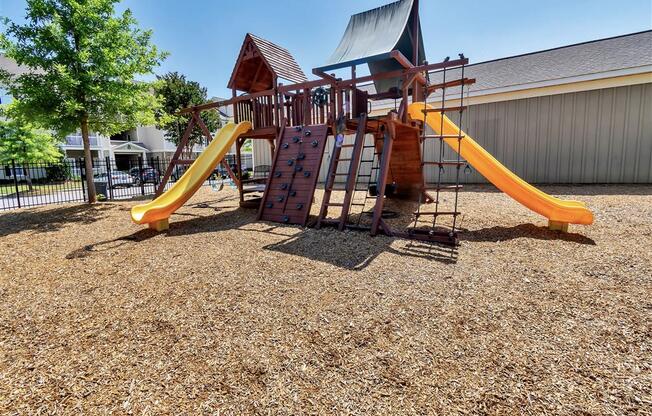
(203, 37)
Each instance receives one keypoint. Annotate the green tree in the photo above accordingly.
(176, 92)
(83, 60)
(22, 143)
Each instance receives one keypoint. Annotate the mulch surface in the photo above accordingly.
(225, 315)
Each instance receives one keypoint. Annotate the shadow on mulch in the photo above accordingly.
(50, 220)
(198, 224)
(500, 233)
(326, 245)
(112, 244)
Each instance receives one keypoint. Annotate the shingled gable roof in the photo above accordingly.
(606, 57)
(260, 62)
(595, 59)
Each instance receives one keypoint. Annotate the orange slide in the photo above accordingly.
(559, 212)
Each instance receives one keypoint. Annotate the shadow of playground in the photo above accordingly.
(352, 250)
(197, 224)
(328, 245)
(500, 233)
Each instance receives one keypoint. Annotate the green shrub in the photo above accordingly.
(58, 172)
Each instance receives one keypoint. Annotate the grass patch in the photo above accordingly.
(39, 189)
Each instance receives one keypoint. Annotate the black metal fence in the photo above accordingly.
(41, 183)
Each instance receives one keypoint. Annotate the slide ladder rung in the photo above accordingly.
(444, 109)
(449, 84)
(443, 136)
(444, 163)
(436, 214)
(443, 187)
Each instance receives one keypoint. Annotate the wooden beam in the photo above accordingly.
(279, 136)
(381, 184)
(401, 59)
(353, 169)
(207, 133)
(325, 76)
(238, 160)
(322, 82)
(449, 84)
(182, 143)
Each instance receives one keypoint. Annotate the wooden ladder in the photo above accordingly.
(354, 163)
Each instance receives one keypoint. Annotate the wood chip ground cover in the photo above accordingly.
(225, 315)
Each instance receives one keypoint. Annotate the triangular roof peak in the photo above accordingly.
(261, 64)
(371, 36)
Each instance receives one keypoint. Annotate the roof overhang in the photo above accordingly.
(260, 64)
(129, 147)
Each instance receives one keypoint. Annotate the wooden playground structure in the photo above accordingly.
(374, 156)
(296, 120)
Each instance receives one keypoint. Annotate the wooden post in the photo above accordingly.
(236, 115)
(404, 102)
(353, 169)
(390, 134)
(275, 103)
(207, 133)
(307, 118)
(279, 137)
(238, 160)
(416, 88)
(175, 157)
(281, 106)
(333, 109)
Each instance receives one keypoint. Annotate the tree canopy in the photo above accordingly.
(21, 142)
(177, 92)
(84, 62)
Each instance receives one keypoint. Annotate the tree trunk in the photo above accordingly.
(28, 177)
(88, 161)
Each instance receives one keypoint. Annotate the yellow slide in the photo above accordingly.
(157, 212)
(559, 212)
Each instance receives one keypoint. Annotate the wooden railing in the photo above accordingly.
(258, 110)
(294, 103)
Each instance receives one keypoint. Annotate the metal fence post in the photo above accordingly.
(82, 177)
(13, 167)
(158, 173)
(141, 175)
(109, 182)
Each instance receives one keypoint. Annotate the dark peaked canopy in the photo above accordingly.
(370, 37)
(261, 63)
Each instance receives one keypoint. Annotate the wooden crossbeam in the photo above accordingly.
(182, 143)
(321, 82)
(207, 133)
(390, 135)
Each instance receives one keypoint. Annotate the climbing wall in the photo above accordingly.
(295, 170)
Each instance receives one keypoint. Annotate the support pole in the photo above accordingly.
(175, 157)
(390, 134)
(13, 169)
(416, 87)
(238, 161)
